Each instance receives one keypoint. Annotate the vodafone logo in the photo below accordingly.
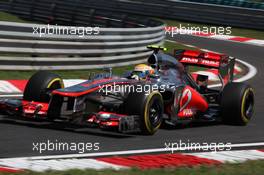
(186, 98)
(190, 60)
(187, 112)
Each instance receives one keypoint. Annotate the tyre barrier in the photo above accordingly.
(216, 14)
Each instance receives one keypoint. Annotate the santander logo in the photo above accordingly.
(190, 60)
(210, 62)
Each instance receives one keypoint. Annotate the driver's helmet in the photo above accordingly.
(142, 71)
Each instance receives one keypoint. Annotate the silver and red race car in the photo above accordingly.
(168, 95)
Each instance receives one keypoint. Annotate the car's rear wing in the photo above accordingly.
(223, 63)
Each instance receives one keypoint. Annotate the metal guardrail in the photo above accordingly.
(122, 39)
(71, 52)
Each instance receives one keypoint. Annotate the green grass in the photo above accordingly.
(67, 74)
(171, 46)
(235, 31)
(247, 168)
(8, 17)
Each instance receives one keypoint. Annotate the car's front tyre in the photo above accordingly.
(40, 85)
(149, 107)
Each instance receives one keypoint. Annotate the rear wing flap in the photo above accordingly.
(223, 63)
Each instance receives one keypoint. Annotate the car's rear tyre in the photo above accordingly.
(40, 85)
(237, 103)
(148, 107)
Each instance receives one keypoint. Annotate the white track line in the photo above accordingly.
(67, 83)
(5, 86)
(142, 151)
(10, 95)
(255, 42)
(251, 72)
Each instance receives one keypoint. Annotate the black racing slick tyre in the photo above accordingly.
(237, 103)
(149, 107)
(40, 85)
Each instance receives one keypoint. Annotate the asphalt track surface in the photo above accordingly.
(16, 140)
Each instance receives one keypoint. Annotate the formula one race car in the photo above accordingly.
(163, 91)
